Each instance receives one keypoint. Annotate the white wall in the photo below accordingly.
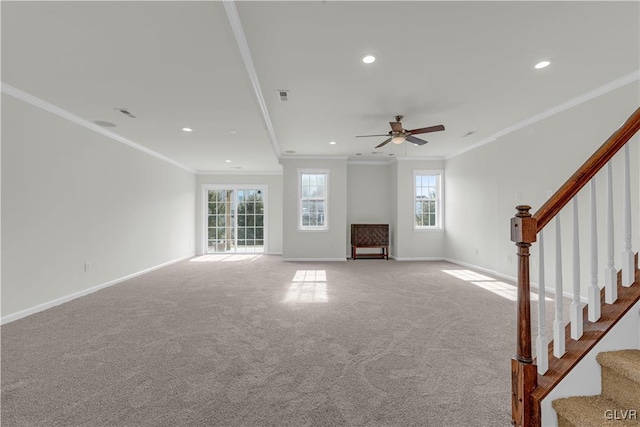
(274, 205)
(316, 245)
(71, 196)
(393, 201)
(368, 197)
(414, 244)
(482, 185)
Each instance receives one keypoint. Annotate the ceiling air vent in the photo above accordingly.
(126, 113)
(284, 95)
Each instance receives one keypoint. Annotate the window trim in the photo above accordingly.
(325, 227)
(439, 200)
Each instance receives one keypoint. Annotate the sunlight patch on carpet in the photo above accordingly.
(308, 286)
(467, 275)
(225, 258)
(502, 289)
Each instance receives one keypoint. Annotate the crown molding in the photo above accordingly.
(239, 172)
(601, 90)
(314, 158)
(419, 158)
(369, 162)
(60, 112)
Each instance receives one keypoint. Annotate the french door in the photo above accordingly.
(235, 219)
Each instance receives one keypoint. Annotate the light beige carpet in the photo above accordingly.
(619, 402)
(233, 341)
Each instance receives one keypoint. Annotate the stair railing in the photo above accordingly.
(525, 228)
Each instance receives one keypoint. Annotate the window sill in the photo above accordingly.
(429, 230)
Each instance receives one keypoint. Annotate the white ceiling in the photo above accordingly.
(467, 65)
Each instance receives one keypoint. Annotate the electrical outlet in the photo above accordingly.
(476, 251)
(86, 267)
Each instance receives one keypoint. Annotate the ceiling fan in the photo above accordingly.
(398, 135)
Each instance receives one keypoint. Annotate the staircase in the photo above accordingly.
(610, 297)
(619, 402)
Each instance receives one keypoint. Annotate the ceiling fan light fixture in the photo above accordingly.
(399, 139)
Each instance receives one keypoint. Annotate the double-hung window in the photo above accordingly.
(313, 195)
(427, 200)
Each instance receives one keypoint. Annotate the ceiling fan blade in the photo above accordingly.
(428, 129)
(415, 140)
(365, 136)
(384, 143)
(396, 126)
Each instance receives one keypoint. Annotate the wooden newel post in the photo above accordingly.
(523, 372)
(523, 232)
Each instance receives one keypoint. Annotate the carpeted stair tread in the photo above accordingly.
(589, 411)
(624, 362)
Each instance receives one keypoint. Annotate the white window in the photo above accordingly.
(313, 192)
(427, 200)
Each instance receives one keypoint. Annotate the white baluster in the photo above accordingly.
(542, 351)
(594, 290)
(575, 312)
(558, 323)
(628, 270)
(610, 274)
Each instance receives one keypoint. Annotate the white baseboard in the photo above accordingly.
(565, 293)
(416, 258)
(41, 307)
(477, 267)
(314, 259)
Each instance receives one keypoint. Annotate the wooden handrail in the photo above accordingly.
(588, 170)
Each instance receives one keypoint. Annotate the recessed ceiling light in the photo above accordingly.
(290, 152)
(187, 129)
(541, 64)
(332, 142)
(368, 59)
(233, 131)
(227, 161)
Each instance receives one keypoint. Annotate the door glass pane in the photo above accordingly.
(232, 219)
